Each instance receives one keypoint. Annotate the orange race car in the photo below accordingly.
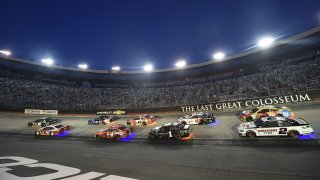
(52, 130)
(115, 132)
(141, 120)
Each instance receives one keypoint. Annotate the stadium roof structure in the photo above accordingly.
(304, 40)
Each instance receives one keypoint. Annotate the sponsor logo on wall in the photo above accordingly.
(248, 103)
(41, 111)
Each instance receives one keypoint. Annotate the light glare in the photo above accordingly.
(47, 61)
(265, 42)
(83, 66)
(5, 52)
(148, 67)
(218, 55)
(116, 68)
(181, 63)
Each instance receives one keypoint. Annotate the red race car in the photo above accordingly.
(115, 132)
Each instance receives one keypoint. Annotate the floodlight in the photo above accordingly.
(265, 42)
(5, 52)
(181, 63)
(47, 61)
(218, 55)
(83, 66)
(116, 68)
(148, 67)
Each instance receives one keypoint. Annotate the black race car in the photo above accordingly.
(42, 122)
(170, 131)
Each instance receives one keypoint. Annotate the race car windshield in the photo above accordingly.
(258, 122)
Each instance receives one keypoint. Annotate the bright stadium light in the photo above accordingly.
(181, 63)
(265, 42)
(148, 67)
(47, 61)
(5, 52)
(218, 56)
(116, 68)
(83, 66)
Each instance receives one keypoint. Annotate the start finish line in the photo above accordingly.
(65, 172)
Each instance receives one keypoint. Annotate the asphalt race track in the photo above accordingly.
(216, 152)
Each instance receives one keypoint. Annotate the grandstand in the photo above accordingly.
(289, 67)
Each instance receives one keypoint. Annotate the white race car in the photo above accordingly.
(197, 118)
(275, 126)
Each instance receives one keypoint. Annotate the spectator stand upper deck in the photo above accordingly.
(290, 66)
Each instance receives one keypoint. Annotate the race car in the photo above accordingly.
(275, 126)
(197, 118)
(170, 131)
(42, 122)
(141, 120)
(52, 130)
(263, 111)
(102, 120)
(116, 132)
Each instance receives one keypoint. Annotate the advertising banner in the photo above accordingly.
(40, 111)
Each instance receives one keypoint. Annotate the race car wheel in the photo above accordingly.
(51, 133)
(251, 134)
(183, 123)
(176, 136)
(144, 123)
(151, 136)
(249, 119)
(294, 134)
(37, 133)
(98, 137)
(117, 138)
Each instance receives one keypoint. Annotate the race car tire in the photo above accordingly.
(37, 133)
(183, 123)
(98, 137)
(251, 134)
(117, 137)
(293, 133)
(144, 123)
(201, 122)
(128, 123)
(176, 136)
(152, 136)
(51, 133)
(248, 119)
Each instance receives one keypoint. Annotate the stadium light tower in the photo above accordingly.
(218, 56)
(265, 42)
(47, 61)
(181, 63)
(5, 52)
(83, 66)
(116, 68)
(148, 67)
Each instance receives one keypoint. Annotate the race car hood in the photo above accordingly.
(247, 125)
(156, 128)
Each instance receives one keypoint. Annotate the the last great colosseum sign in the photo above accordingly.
(248, 103)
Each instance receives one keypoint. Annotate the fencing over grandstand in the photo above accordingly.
(290, 67)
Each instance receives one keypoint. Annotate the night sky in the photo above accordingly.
(131, 33)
